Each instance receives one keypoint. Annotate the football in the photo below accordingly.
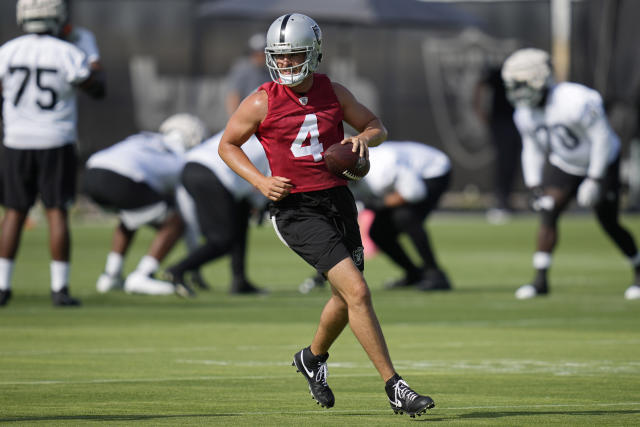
(341, 161)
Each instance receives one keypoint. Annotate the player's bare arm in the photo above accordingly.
(372, 131)
(243, 123)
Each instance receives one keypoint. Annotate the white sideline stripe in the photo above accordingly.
(110, 351)
(159, 380)
(245, 348)
(140, 380)
(509, 366)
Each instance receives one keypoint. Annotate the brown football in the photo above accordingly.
(341, 161)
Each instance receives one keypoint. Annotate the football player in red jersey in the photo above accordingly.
(296, 118)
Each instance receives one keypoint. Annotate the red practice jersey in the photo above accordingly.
(297, 131)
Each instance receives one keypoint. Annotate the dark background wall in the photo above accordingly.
(162, 57)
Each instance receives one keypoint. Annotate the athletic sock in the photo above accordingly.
(147, 265)
(541, 260)
(59, 275)
(6, 271)
(114, 264)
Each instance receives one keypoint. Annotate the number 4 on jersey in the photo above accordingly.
(309, 129)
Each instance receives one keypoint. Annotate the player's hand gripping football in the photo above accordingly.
(360, 146)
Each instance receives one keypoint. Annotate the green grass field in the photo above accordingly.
(487, 359)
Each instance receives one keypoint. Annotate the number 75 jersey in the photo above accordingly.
(571, 130)
(39, 74)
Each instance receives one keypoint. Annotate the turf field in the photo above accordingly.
(486, 358)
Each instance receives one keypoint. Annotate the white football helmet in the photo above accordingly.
(293, 33)
(527, 74)
(183, 131)
(41, 16)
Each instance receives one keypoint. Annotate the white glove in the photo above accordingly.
(541, 202)
(588, 193)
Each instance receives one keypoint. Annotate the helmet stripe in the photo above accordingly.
(283, 26)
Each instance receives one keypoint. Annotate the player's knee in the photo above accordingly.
(359, 294)
(340, 302)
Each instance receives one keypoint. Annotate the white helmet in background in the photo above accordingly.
(293, 33)
(183, 131)
(527, 73)
(41, 16)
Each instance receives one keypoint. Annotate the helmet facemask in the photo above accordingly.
(527, 76)
(294, 75)
(522, 94)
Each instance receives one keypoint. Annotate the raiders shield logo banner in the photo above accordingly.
(453, 67)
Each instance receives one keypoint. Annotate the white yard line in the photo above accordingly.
(293, 348)
(424, 367)
(505, 366)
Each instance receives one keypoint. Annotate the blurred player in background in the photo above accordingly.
(217, 203)
(40, 74)
(403, 187)
(138, 177)
(247, 73)
(569, 150)
(83, 39)
(494, 109)
(296, 118)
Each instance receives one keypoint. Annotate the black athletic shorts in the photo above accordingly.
(50, 173)
(557, 178)
(320, 226)
(113, 191)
